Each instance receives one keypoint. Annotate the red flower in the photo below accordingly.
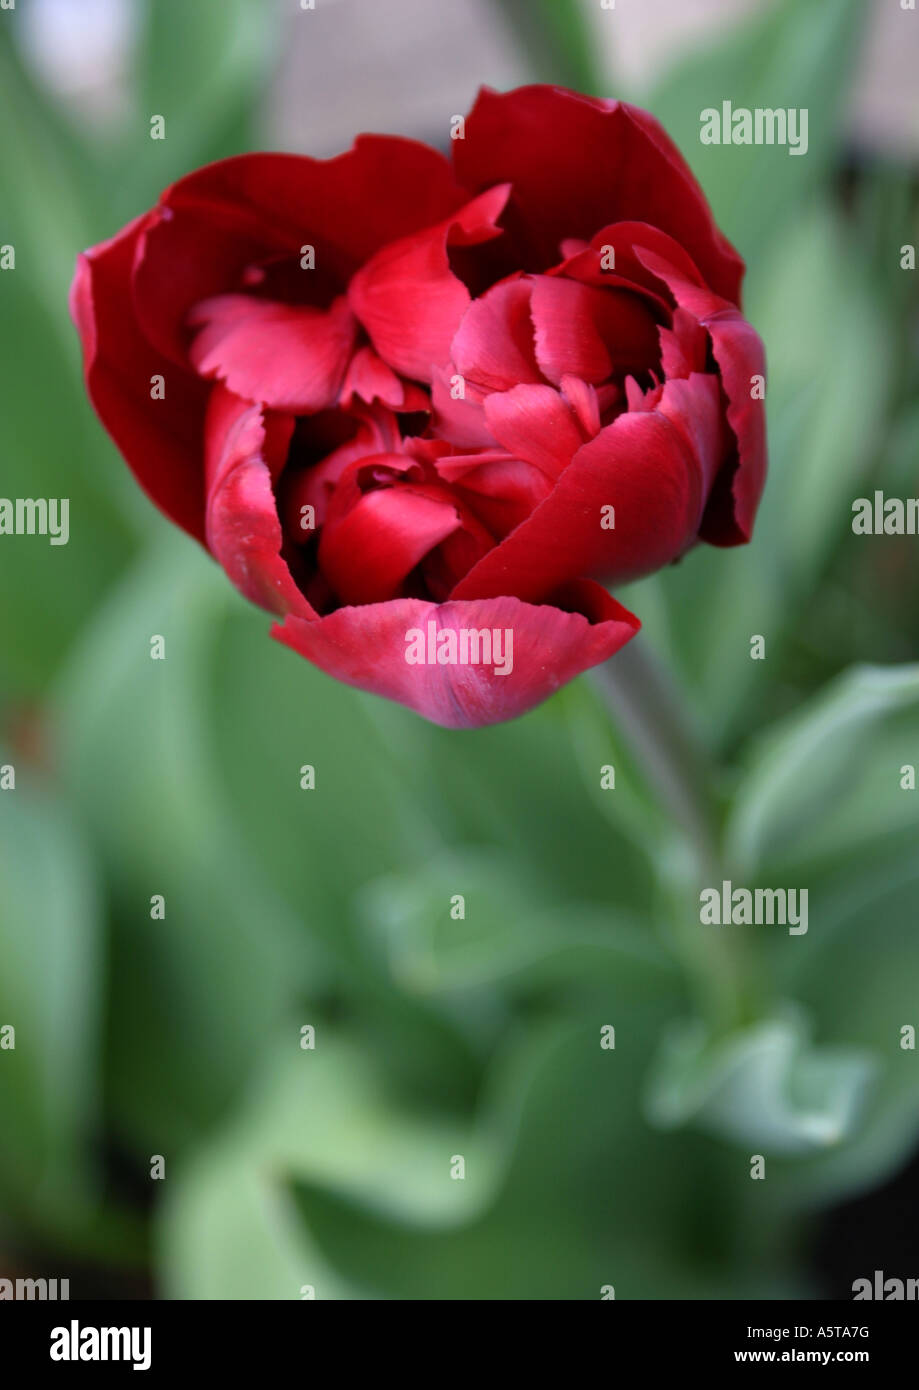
(417, 412)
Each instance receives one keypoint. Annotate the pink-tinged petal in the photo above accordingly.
(577, 163)
(288, 357)
(494, 349)
(408, 298)
(245, 448)
(585, 402)
(457, 419)
(684, 347)
(590, 333)
(646, 467)
(534, 423)
(367, 552)
(610, 260)
(367, 646)
(218, 221)
(739, 352)
(695, 407)
(369, 378)
(159, 439)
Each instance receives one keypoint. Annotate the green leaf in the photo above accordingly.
(194, 994)
(505, 931)
(319, 1118)
(566, 1188)
(857, 978)
(202, 68)
(764, 1087)
(826, 783)
(792, 56)
(50, 452)
(45, 174)
(49, 993)
(826, 399)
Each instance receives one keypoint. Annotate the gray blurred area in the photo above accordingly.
(386, 65)
(406, 66)
(402, 65)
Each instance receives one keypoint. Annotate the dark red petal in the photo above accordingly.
(627, 271)
(684, 347)
(288, 357)
(408, 298)
(589, 333)
(645, 467)
(245, 449)
(740, 355)
(534, 423)
(576, 164)
(218, 220)
(367, 552)
(366, 647)
(160, 439)
(500, 490)
(493, 348)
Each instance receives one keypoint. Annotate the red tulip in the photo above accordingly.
(419, 411)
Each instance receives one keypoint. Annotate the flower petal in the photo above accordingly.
(288, 357)
(577, 163)
(408, 298)
(367, 647)
(160, 439)
(534, 423)
(215, 222)
(739, 352)
(367, 551)
(646, 467)
(590, 333)
(245, 449)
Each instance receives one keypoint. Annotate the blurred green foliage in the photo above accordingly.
(437, 1037)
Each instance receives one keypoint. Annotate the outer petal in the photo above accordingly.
(218, 220)
(408, 298)
(577, 164)
(647, 466)
(244, 448)
(160, 439)
(367, 646)
(740, 355)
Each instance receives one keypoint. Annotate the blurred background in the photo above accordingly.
(162, 1131)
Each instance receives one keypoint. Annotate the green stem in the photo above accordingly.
(648, 711)
(644, 704)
